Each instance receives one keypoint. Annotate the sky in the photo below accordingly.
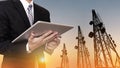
(79, 12)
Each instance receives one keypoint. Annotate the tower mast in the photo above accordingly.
(83, 60)
(65, 61)
(104, 46)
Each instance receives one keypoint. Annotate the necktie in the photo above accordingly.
(30, 14)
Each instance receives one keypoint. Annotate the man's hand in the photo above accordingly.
(48, 37)
(51, 45)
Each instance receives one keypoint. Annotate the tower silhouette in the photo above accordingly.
(83, 60)
(64, 61)
(104, 46)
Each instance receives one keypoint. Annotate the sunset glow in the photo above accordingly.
(42, 60)
(79, 12)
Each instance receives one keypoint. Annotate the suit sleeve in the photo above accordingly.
(6, 47)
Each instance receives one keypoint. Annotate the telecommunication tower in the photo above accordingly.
(104, 45)
(64, 61)
(83, 60)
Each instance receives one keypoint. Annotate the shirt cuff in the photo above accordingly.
(27, 48)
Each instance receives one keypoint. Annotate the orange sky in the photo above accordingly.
(78, 12)
(54, 60)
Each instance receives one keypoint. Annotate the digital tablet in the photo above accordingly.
(40, 27)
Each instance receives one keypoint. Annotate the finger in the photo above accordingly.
(51, 37)
(57, 40)
(47, 34)
(58, 36)
(54, 43)
(31, 36)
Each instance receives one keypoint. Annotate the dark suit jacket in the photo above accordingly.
(14, 21)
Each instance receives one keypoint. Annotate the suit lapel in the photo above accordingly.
(36, 16)
(20, 9)
(40, 14)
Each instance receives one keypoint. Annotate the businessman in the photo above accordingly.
(15, 17)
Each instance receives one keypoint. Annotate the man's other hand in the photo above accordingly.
(49, 37)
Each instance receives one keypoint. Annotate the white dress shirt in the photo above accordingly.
(26, 4)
